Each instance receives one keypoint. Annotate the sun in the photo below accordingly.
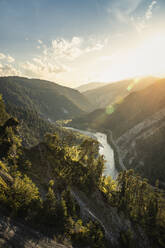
(146, 58)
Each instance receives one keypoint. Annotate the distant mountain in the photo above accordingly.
(114, 92)
(138, 129)
(38, 103)
(50, 99)
(90, 86)
(136, 107)
(138, 125)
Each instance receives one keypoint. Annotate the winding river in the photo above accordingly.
(105, 150)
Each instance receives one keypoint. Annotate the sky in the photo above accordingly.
(73, 42)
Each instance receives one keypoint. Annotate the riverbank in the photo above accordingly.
(118, 161)
(107, 148)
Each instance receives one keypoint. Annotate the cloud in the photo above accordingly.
(10, 59)
(41, 69)
(71, 49)
(148, 14)
(8, 70)
(55, 59)
(7, 58)
(125, 12)
(2, 56)
(45, 66)
(96, 47)
(142, 23)
(40, 41)
(122, 10)
(67, 49)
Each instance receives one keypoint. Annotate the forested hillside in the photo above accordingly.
(135, 108)
(41, 187)
(50, 100)
(38, 103)
(137, 126)
(82, 165)
(58, 213)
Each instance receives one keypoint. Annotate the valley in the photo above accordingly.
(82, 173)
(137, 128)
(82, 124)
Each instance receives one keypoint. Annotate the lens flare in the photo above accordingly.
(110, 109)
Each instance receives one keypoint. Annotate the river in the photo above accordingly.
(105, 150)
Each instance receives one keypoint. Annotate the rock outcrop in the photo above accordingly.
(116, 225)
(142, 147)
(17, 235)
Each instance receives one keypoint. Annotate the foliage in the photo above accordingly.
(57, 213)
(138, 120)
(3, 114)
(79, 166)
(89, 235)
(38, 103)
(54, 168)
(22, 195)
(137, 198)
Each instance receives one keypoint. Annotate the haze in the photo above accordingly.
(75, 42)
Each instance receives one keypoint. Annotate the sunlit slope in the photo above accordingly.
(138, 128)
(90, 86)
(114, 92)
(127, 113)
(135, 108)
(50, 100)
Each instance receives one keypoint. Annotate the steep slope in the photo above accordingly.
(138, 129)
(93, 120)
(90, 86)
(140, 132)
(137, 107)
(32, 128)
(38, 103)
(16, 234)
(55, 213)
(55, 191)
(3, 114)
(50, 100)
(114, 92)
(142, 148)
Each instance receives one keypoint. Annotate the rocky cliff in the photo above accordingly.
(142, 147)
(14, 234)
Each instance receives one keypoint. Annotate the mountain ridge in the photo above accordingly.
(38, 104)
(138, 129)
(57, 188)
(116, 91)
(90, 86)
